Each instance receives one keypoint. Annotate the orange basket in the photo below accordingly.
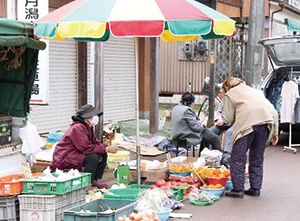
(12, 185)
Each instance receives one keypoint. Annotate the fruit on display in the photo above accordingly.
(210, 172)
(180, 168)
(211, 186)
(140, 216)
(160, 183)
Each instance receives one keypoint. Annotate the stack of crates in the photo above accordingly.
(10, 187)
(46, 201)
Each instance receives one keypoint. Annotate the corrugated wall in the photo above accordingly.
(175, 74)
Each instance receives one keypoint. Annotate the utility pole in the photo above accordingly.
(254, 57)
(211, 107)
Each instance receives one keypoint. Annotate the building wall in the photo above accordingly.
(176, 74)
(3, 8)
(235, 12)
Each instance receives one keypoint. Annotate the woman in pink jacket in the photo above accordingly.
(80, 149)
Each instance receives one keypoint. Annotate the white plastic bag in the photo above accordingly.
(32, 142)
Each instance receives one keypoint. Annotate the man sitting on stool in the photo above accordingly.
(186, 125)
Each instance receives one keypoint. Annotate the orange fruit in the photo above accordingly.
(173, 169)
(214, 176)
(217, 172)
(221, 175)
(204, 186)
(211, 186)
(179, 168)
(210, 173)
(218, 186)
(226, 173)
(186, 168)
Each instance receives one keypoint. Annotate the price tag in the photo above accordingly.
(27, 171)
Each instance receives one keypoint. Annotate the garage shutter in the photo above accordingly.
(119, 79)
(62, 88)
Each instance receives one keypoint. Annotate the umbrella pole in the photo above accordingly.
(138, 148)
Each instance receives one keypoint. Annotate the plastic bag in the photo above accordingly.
(32, 142)
(212, 157)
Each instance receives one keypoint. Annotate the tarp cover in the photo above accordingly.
(292, 25)
(16, 83)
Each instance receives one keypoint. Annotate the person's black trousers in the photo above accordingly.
(93, 164)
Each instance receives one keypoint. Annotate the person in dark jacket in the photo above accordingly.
(80, 149)
(186, 125)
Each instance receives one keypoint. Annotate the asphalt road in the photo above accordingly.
(279, 199)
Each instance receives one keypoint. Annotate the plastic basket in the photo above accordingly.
(217, 192)
(217, 180)
(164, 214)
(12, 185)
(49, 207)
(122, 208)
(129, 194)
(9, 208)
(49, 188)
(188, 173)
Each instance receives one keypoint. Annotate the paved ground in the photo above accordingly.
(279, 200)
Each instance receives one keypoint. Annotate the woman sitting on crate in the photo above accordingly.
(80, 149)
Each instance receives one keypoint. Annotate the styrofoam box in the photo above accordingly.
(10, 159)
(49, 207)
(9, 208)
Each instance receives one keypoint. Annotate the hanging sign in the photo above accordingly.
(30, 11)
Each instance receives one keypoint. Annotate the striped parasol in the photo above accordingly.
(173, 20)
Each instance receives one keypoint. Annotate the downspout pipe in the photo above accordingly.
(282, 6)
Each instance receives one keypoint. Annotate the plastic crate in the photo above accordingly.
(49, 207)
(49, 188)
(9, 208)
(122, 208)
(12, 185)
(129, 194)
(139, 186)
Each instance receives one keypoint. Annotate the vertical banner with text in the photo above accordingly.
(30, 11)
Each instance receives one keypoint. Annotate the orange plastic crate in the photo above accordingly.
(12, 185)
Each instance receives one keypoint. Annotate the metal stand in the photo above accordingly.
(290, 147)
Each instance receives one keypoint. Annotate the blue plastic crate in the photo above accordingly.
(121, 208)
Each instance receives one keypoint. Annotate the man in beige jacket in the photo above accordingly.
(255, 124)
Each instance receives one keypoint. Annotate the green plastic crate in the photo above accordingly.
(129, 194)
(122, 208)
(137, 186)
(58, 187)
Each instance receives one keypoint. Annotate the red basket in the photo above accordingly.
(217, 180)
(12, 185)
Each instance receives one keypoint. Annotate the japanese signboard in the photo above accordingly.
(30, 11)
(235, 3)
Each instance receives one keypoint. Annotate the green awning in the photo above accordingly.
(18, 33)
(16, 83)
(292, 25)
(22, 41)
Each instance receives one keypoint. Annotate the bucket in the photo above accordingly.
(17, 123)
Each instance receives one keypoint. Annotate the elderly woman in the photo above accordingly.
(255, 123)
(80, 149)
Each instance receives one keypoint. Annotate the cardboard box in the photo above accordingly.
(149, 177)
(5, 129)
(39, 166)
